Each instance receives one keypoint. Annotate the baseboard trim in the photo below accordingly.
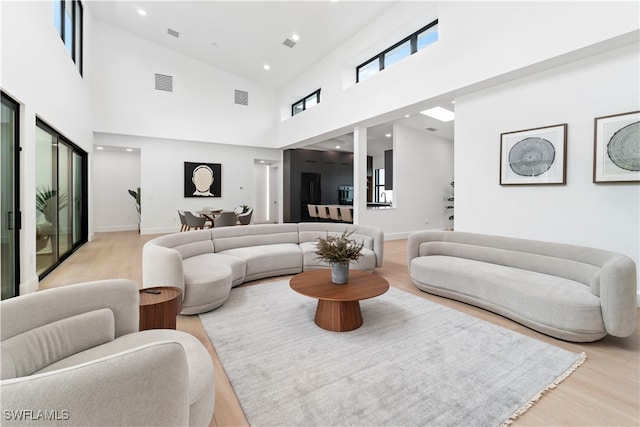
(160, 230)
(114, 228)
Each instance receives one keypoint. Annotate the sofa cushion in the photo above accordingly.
(267, 260)
(189, 244)
(545, 299)
(257, 235)
(311, 261)
(201, 392)
(114, 391)
(198, 269)
(40, 347)
(587, 274)
(209, 290)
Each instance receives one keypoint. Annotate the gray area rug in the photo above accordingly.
(412, 363)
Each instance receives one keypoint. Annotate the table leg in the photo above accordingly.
(338, 316)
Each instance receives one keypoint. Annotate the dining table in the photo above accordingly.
(210, 214)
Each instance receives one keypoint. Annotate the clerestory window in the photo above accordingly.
(67, 18)
(305, 103)
(422, 38)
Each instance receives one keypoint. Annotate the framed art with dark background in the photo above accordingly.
(202, 179)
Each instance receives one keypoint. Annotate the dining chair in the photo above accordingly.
(183, 221)
(323, 213)
(225, 219)
(345, 214)
(313, 211)
(196, 222)
(208, 214)
(245, 218)
(334, 213)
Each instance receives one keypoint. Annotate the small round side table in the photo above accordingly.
(159, 307)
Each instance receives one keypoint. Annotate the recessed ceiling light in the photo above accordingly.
(129, 149)
(407, 116)
(261, 161)
(100, 148)
(338, 147)
(266, 67)
(439, 113)
(142, 12)
(388, 135)
(295, 37)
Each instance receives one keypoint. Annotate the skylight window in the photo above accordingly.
(439, 113)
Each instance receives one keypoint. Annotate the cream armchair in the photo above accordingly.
(74, 356)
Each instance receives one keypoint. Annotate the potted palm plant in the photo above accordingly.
(338, 251)
(136, 197)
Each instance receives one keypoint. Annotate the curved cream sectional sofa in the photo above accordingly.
(569, 292)
(206, 264)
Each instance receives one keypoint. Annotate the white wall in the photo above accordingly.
(262, 187)
(480, 43)
(423, 171)
(162, 176)
(200, 108)
(114, 173)
(38, 72)
(600, 215)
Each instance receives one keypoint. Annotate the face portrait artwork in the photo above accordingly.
(202, 179)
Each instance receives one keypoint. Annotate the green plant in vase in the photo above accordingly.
(338, 251)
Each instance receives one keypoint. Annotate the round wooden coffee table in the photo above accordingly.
(159, 307)
(338, 307)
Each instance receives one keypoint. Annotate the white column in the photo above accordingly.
(359, 172)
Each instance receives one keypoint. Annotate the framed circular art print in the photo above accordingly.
(534, 156)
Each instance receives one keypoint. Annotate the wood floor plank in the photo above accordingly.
(604, 391)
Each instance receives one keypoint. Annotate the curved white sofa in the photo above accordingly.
(206, 264)
(569, 292)
(76, 352)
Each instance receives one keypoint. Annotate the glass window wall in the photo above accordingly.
(9, 198)
(60, 198)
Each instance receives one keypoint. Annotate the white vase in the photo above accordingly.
(340, 272)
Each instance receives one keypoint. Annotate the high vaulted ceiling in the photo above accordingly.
(242, 36)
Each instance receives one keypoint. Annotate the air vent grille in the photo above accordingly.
(289, 43)
(173, 33)
(242, 97)
(431, 129)
(164, 82)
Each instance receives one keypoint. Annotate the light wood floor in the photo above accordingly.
(602, 392)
